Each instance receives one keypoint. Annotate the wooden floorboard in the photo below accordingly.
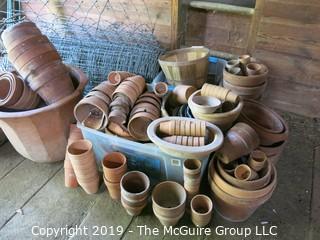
(9, 159)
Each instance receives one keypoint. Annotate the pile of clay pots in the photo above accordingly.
(120, 106)
(246, 77)
(37, 61)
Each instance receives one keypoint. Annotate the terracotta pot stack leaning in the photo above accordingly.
(84, 165)
(92, 111)
(70, 179)
(237, 203)
(240, 140)
(37, 61)
(201, 210)
(270, 127)
(135, 187)
(114, 166)
(191, 177)
(247, 77)
(145, 110)
(15, 93)
(169, 202)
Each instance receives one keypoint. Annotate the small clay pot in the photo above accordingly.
(119, 130)
(160, 89)
(240, 140)
(191, 167)
(254, 69)
(245, 173)
(191, 141)
(201, 210)
(135, 187)
(113, 189)
(139, 81)
(116, 77)
(219, 92)
(138, 125)
(114, 166)
(182, 93)
(148, 100)
(191, 176)
(106, 88)
(169, 202)
(244, 59)
(11, 89)
(151, 95)
(257, 160)
(232, 63)
(252, 92)
(184, 127)
(83, 162)
(205, 104)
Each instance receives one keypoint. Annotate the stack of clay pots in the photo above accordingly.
(245, 77)
(238, 193)
(191, 177)
(184, 132)
(70, 179)
(270, 126)
(225, 114)
(239, 141)
(201, 210)
(15, 93)
(84, 165)
(135, 187)
(145, 110)
(114, 166)
(92, 111)
(37, 61)
(169, 202)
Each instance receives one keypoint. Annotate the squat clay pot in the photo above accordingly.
(201, 210)
(195, 128)
(11, 88)
(114, 166)
(254, 69)
(134, 192)
(182, 93)
(169, 202)
(257, 160)
(245, 173)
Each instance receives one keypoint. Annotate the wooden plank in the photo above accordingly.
(9, 159)
(175, 9)
(21, 184)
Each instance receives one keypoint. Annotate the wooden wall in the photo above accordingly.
(287, 39)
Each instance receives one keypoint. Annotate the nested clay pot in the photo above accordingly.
(160, 89)
(105, 88)
(114, 166)
(240, 140)
(245, 173)
(181, 93)
(190, 141)
(195, 128)
(169, 202)
(84, 165)
(257, 160)
(41, 134)
(252, 92)
(201, 210)
(11, 89)
(191, 176)
(254, 69)
(113, 189)
(219, 92)
(205, 104)
(135, 187)
(116, 77)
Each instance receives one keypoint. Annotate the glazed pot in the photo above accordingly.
(224, 119)
(244, 59)
(245, 173)
(84, 165)
(201, 210)
(116, 77)
(181, 93)
(135, 187)
(205, 104)
(215, 140)
(169, 202)
(114, 166)
(240, 140)
(257, 160)
(219, 92)
(269, 125)
(160, 89)
(41, 134)
(113, 189)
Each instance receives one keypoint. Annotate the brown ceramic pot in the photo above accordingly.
(245, 173)
(257, 160)
(113, 189)
(219, 92)
(201, 210)
(160, 89)
(114, 166)
(116, 77)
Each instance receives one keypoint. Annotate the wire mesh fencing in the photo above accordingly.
(97, 36)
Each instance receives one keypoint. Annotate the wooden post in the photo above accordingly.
(175, 8)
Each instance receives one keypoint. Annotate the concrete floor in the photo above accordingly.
(34, 195)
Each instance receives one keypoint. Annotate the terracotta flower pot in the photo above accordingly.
(184, 128)
(160, 89)
(219, 92)
(84, 165)
(257, 160)
(169, 202)
(191, 141)
(150, 95)
(244, 172)
(114, 166)
(205, 104)
(182, 93)
(139, 81)
(240, 140)
(138, 125)
(116, 77)
(113, 189)
(252, 92)
(41, 134)
(191, 176)
(106, 88)
(135, 187)
(201, 210)
(254, 69)
(11, 89)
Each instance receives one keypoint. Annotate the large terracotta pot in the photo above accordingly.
(41, 134)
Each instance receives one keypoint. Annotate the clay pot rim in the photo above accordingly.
(110, 154)
(87, 143)
(178, 187)
(196, 161)
(161, 93)
(191, 152)
(15, 83)
(74, 71)
(259, 87)
(162, 58)
(201, 108)
(203, 197)
(140, 174)
(243, 166)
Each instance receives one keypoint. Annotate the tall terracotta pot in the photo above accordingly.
(41, 134)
